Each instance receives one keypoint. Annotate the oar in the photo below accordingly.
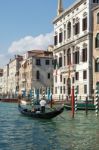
(54, 108)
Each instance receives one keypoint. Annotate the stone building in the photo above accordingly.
(5, 80)
(36, 72)
(73, 45)
(10, 72)
(1, 80)
(95, 47)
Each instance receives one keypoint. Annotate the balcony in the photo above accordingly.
(68, 68)
(23, 80)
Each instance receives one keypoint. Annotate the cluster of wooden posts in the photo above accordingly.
(74, 101)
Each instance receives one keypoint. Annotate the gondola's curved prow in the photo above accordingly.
(38, 114)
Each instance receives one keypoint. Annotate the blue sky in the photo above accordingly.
(25, 25)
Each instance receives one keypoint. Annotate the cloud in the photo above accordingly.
(29, 43)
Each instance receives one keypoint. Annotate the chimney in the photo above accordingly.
(60, 7)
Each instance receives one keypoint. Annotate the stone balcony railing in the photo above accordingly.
(23, 80)
(68, 68)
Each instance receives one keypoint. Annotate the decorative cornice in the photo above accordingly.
(68, 10)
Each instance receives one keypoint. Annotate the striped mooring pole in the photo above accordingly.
(43, 94)
(96, 100)
(32, 99)
(76, 98)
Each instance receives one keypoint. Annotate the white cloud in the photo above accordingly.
(29, 43)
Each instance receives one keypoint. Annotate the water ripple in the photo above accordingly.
(22, 133)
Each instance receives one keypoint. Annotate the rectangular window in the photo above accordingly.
(60, 37)
(95, 1)
(85, 89)
(48, 75)
(60, 61)
(77, 57)
(77, 76)
(97, 41)
(55, 63)
(84, 74)
(64, 81)
(76, 28)
(64, 89)
(84, 55)
(55, 40)
(84, 24)
(73, 58)
(47, 62)
(77, 89)
(38, 62)
(37, 75)
(60, 78)
(96, 66)
(60, 89)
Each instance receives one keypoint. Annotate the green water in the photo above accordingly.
(61, 133)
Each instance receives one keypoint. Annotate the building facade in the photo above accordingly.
(5, 80)
(73, 44)
(9, 78)
(13, 69)
(95, 47)
(36, 73)
(1, 80)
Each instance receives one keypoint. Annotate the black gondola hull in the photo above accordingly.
(46, 115)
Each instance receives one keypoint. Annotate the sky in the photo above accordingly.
(26, 25)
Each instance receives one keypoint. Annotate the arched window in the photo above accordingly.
(69, 30)
(84, 21)
(60, 60)
(84, 53)
(97, 65)
(97, 41)
(76, 55)
(98, 18)
(77, 26)
(56, 39)
(60, 36)
(68, 57)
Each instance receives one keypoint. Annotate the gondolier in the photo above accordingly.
(42, 104)
(49, 114)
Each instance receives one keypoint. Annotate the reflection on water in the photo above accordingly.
(22, 133)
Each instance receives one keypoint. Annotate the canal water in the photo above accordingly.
(18, 132)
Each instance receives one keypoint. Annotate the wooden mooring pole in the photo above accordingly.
(86, 106)
(73, 101)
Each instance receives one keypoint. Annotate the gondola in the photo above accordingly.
(38, 114)
(81, 106)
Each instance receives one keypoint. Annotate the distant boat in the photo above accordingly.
(81, 106)
(50, 113)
